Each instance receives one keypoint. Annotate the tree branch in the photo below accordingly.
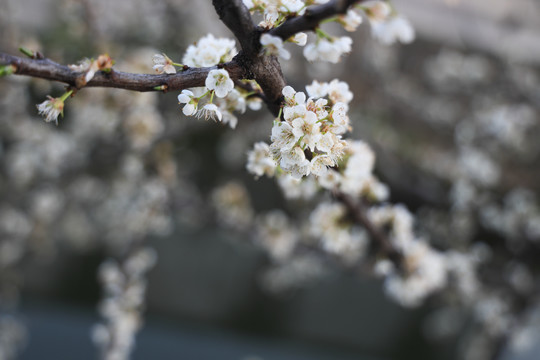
(235, 15)
(248, 64)
(50, 70)
(382, 243)
(312, 17)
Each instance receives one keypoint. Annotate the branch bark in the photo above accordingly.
(381, 241)
(235, 15)
(50, 70)
(313, 16)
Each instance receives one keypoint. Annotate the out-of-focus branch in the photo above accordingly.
(312, 17)
(382, 243)
(50, 70)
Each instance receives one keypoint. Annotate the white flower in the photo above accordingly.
(162, 64)
(209, 51)
(274, 46)
(292, 6)
(271, 17)
(210, 111)
(329, 179)
(282, 136)
(326, 142)
(362, 160)
(187, 97)
(88, 66)
(338, 91)
(395, 29)
(236, 101)
(51, 109)
(292, 97)
(248, 3)
(220, 82)
(260, 161)
(383, 267)
(341, 119)
(427, 273)
(350, 21)
(377, 10)
(307, 128)
(317, 89)
(300, 39)
(376, 190)
(82, 66)
(326, 50)
(327, 218)
(276, 234)
(229, 118)
(293, 112)
(320, 163)
(359, 168)
(318, 107)
(294, 161)
(296, 188)
(254, 103)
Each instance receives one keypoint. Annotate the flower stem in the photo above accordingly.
(66, 95)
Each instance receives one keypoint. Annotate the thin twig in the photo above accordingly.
(312, 17)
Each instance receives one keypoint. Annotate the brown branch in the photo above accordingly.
(50, 70)
(235, 15)
(382, 243)
(312, 17)
(266, 70)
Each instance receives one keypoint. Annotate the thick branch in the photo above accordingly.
(311, 19)
(235, 15)
(48, 69)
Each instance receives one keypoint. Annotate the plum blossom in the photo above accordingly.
(299, 39)
(350, 21)
(162, 64)
(306, 129)
(394, 29)
(274, 46)
(209, 51)
(260, 160)
(328, 50)
(210, 111)
(51, 109)
(377, 10)
(220, 82)
(187, 97)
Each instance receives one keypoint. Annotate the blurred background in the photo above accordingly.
(453, 119)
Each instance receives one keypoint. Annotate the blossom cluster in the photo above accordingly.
(386, 26)
(424, 269)
(125, 286)
(219, 95)
(308, 140)
(338, 236)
